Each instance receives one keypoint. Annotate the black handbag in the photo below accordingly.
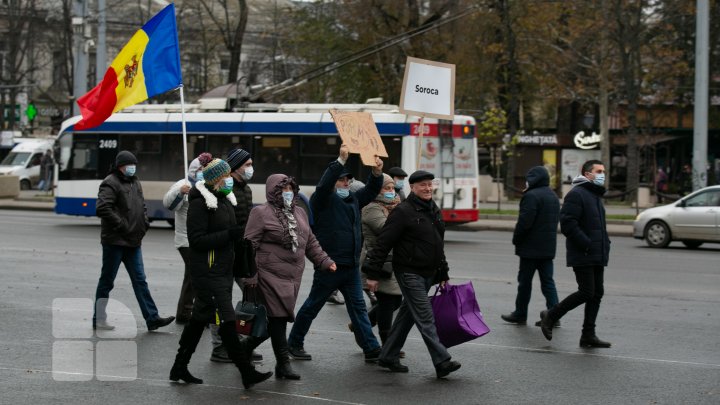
(251, 316)
(244, 264)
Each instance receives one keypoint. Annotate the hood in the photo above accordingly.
(538, 176)
(583, 181)
(580, 179)
(274, 186)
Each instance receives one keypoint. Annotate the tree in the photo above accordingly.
(231, 19)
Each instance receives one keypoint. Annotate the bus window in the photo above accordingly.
(84, 157)
(275, 154)
(315, 153)
(171, 168)
(220, 145)
(147, 149)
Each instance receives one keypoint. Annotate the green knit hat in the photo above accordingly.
(214, 170)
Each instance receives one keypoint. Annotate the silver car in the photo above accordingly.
(693, 220)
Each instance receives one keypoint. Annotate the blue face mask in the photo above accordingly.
(130, 170)
(199, 176)
(288, 196)
(399, 184)
(599, 179)
(389, 195)
(227, 186)
(343, 192)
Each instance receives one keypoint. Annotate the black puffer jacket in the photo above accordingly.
(210, 218)
(535, 235)
(122, 211)
(582, 221)
(415, 232)
(243, 196)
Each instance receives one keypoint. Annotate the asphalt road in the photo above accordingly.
(660, 311)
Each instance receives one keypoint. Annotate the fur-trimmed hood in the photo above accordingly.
(211, 198)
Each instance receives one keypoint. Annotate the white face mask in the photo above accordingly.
(247, 175)
(288, 196)
(599, 179)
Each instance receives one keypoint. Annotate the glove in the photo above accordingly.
(236, 232)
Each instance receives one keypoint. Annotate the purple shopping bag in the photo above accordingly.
(457, 315)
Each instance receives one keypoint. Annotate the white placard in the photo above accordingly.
(428, 89)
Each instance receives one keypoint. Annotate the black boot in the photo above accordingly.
(593, 341)
(240, 356)
(188, 342)
(278, 337)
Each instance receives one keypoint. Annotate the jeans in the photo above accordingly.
(347, 280)
(590, 292)
(525, 277)
(131, 257)
(414, 310)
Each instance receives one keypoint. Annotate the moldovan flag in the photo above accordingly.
(147, 66)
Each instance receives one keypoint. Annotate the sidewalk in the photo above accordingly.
(35, 200)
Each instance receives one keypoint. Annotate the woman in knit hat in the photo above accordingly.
(212, 230)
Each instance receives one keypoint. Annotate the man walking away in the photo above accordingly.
(582, 221)
(124, 221)
(535, 240)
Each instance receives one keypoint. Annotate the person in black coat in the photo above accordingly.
(123, 224)
(212, 230)
(535, 240)
(415, 232)
(582, 221)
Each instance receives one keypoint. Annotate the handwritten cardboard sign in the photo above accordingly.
(359, 133)
(428, 89)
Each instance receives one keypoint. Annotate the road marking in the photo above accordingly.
(285, 394)
(537, 350)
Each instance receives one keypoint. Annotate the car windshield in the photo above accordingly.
(15, 159)
(706, 199)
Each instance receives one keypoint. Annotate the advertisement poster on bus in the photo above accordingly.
(432, 156)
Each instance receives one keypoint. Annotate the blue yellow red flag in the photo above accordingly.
(148, 65)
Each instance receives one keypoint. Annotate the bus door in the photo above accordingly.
(107, 150)
(447, 164)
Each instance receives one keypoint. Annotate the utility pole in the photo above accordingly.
(81, 44)
(101, 51)
(700, 130)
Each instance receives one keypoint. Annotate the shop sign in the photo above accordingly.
(537, 139)
(587, 142)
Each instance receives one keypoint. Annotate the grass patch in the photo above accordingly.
(622, 217)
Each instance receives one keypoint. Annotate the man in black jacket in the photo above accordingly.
(415, 232)
(582, 221)
(535, 239)
(124, 221)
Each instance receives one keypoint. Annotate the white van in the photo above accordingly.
(24, 161)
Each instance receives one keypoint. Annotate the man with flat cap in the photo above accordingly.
(398, 176)
(123, 223)
(415, 233)
(338, 229)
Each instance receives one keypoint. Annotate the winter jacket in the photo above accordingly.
(243, 196)
(582, 221)
(122, 211)
(374, 216)
(177, 202)
(535, 235)
(210, 217)
(415, 232)
(279, 269)
(337, 220)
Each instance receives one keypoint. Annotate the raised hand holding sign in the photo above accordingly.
(359, 133)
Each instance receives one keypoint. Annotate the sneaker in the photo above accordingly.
(220, 355)
(335, 298)
(446, 367)
(373, 355)
(593, 341)
(159, 322)
(299, 353)
(555, 325)
(394, 366)
(102, 325)
(512, 318)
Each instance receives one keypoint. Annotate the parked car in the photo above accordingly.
(24, 161)
(693, 220)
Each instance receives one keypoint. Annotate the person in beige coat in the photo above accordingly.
(281, 236)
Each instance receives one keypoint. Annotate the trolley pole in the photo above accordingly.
(700, 130)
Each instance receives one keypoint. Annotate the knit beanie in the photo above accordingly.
(125, 158)
(237, 157)
(198, 163)
(387, 180)
(214, 170)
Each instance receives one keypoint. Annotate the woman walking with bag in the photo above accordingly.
(212, 230)
(281, 237)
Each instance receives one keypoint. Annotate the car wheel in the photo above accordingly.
(692, 244)
(25, 185)
(657, 234)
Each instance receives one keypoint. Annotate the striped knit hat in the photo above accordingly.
(214, 170)
(237, 157)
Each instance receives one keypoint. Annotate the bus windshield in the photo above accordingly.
(16, 159)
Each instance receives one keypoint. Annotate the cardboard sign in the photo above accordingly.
(359, 133)
(428, 89)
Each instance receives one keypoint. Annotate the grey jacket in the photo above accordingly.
(374, 216)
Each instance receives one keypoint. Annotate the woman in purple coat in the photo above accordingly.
(282, 238)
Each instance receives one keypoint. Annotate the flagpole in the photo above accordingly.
(184, 132)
